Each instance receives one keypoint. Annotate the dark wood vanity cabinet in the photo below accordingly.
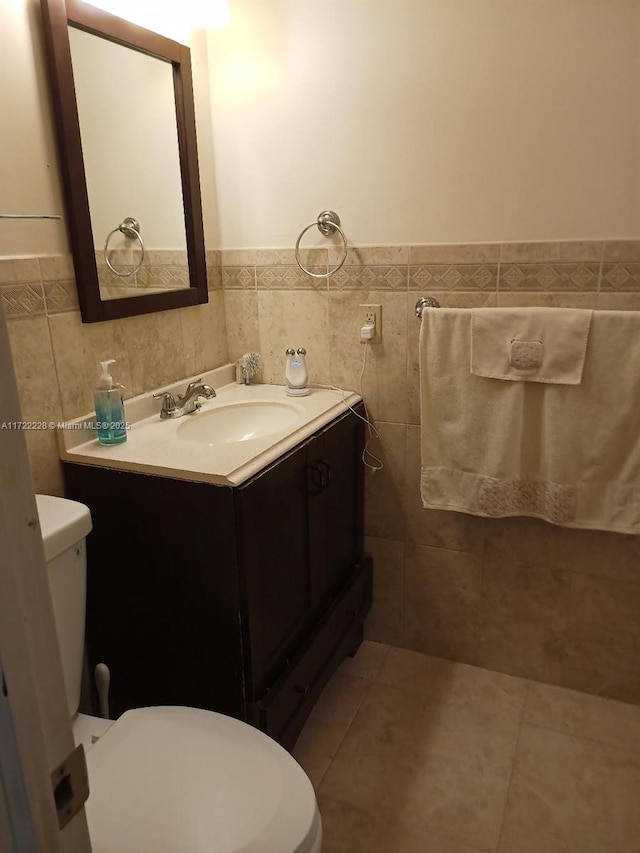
(241, 600)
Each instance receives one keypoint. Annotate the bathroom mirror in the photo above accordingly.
(125, 121)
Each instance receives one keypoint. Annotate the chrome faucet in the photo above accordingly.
(189, 402)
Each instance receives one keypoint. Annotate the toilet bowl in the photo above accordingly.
(167, 779)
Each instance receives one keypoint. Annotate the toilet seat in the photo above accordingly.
(171, 779)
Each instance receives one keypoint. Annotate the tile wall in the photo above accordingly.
(56, 356)
(515, 595)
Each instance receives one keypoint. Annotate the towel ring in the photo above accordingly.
(425, 302)
(130, 227)
(328, 223)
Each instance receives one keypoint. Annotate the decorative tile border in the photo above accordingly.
(368, 277)
(25, 299)
(239, 278)
(453, 277)
(588, 273)
(557, 277)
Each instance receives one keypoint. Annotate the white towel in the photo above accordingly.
(530, 344)
(569, 454)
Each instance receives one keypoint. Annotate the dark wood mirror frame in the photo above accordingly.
(58, 15)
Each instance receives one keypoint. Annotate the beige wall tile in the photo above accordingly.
(523, 615)
(384, 514)
(569, 795)
(579, 715)
(287, 257)
(15, 270)
(582, 670)
(595, 552)
(622, 250)
(603, 622)
(57, 267)
(384, 380)
(619, 301)
(294, 319)
(442, 604)
(46, 467)
(204, 337)
(241, 312)
(154, 345)
(370, 255)
(238, 257)
(37, 381)
(35, 369)
(552, 251)
(455, 253)
(386, 619)
(78, 348)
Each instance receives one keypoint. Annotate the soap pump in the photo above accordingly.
(112, 428)
(296, 372)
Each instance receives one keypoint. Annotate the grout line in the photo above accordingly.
(498, 276)
(607, 744)
(513, 766)
(601, 267)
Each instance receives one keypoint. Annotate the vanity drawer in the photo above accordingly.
(283, 709)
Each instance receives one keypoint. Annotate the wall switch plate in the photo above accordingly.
(368, 314)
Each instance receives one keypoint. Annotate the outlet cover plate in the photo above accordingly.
(371, 314)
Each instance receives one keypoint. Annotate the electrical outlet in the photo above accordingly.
(371, 314)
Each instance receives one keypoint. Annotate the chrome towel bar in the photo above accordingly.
(425, 302)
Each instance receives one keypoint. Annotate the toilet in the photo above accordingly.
(169, 779)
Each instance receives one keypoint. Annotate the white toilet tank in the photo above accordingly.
(64, 525)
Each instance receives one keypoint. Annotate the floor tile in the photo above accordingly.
(438, 681)
(444, 768)
(570, 795)
(347, 829)
(328, 724)
(581, 715)
(367, 662)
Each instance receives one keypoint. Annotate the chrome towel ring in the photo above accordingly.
(130, 227)
(328, 223)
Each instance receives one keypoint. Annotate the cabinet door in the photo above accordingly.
(272, 541)
(162, 589)
(336, 508)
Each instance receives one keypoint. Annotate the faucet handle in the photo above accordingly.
(192, 385)
(168, 400)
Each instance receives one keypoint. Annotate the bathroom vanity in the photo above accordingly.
(240, 598)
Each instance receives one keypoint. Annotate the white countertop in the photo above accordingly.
(154, 447)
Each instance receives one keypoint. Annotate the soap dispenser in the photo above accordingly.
(112, 428)
(296, 372)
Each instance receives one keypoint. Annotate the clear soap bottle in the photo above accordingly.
(112, 428)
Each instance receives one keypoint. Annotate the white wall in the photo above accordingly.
(428, 120)
(29, 173)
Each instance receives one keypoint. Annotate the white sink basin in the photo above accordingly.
(239, 422)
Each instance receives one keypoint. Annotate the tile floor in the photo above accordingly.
(413, 754)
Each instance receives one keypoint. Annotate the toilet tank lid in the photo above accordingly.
(62, 523)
